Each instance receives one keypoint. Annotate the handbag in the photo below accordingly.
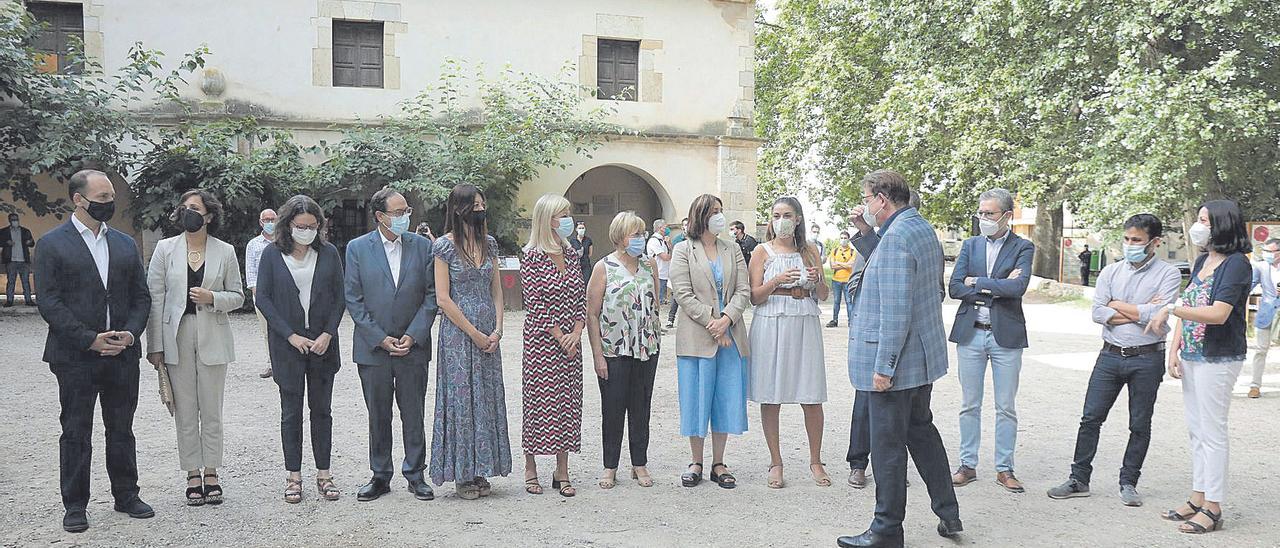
(166, 388)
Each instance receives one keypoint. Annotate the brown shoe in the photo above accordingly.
(857, 478)
(1010, 483)
(964, 476)
(1255, 393)
(265, 374)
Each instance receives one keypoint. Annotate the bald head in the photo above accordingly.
(267, 220)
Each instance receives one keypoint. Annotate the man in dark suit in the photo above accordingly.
(897, 350)
(93, 295)
(991, 274)
(390, 293)
(15, 255)
(1086, 263)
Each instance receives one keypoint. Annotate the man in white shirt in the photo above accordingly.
(656, 248)
(1266, 277)
(252, 256)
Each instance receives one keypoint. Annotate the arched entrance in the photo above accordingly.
(602, 192)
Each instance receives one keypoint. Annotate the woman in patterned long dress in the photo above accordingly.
(556, 313)
(469, 441)
(623, 324)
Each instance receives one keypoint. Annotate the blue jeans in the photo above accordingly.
(1111, 374)
(838, 290)
(1006, 365)
(662, 291)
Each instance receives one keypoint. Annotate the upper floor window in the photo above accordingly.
(617, 69)
(61, 25)
(357, 54)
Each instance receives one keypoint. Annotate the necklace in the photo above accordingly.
(194, 256)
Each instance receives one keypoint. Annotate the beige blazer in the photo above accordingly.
(167, 280)
(695, 291)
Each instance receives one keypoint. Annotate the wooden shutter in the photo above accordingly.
(618, 69)
(357, 54)
(61, 22)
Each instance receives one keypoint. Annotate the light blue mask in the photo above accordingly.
(269, 227)
(635, 246)
(566, 227)
(399, 225)
(1135, 253)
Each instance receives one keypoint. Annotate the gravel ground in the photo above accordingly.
(1054, 377)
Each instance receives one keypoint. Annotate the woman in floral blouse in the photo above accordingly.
(623, 320)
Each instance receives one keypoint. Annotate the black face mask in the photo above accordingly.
(100, 211)
(477, 218)
(190, 219)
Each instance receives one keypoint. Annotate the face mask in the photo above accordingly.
(269, 227)
(717, 223)
(192, 220)
(988, 227)
(1268, 257)
(13, 222)
(478, 217)
(869, 216)
(399, 225)
(635, 246)
(304, 236)
(844, 242)
(783, 227)
(1199, 235)
(582, 232)
(100, 211)
(1135, 253)
(566, 227)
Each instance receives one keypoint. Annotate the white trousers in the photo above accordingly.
(1206, 393)
(197, 398)
(1263, 338)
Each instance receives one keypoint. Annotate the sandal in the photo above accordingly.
(692, 479)
(725, 480)
(566, 490)
(607, 482)
(1215, 523)
(485, 487)
(195, 494)
(644, 481)
(1174, 515)
(822, 480)
(532, 486)
(468, 490)
(328, 489)
(212, 492)
(292, 490)
(776, 483)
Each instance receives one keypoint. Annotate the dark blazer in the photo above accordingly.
(993, 289)
(277, 299)
(73, 301)
(7, 243)
(382, 309)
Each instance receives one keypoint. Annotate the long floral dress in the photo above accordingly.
(552, 389)
(470, 435)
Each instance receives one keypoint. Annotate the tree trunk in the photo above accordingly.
(1048, 239)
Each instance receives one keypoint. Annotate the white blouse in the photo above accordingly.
(303, 271)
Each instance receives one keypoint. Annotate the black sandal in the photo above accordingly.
(532, 486)
(566, 490)
(1197, 529)
(198, 491)
(725, 480)
(213, 493)
(1173, 515)
(692, 479)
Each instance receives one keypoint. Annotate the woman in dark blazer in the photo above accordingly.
(300, 293)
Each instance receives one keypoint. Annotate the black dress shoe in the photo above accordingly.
(75, 521)
(949, 528)
(872, 539)
(372, 490)
(135, 508)
(421, 490)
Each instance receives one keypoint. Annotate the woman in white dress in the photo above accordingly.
(787, 281)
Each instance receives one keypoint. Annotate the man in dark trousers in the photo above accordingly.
(1086, 260)
(93, 295)
(15, 254)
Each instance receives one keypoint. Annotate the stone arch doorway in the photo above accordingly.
(601, 192)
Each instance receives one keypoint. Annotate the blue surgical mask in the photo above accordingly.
(635, 246)
(1135, 253)
(399, 225)
(269, 227)
(566, 227)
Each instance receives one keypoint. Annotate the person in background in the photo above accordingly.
(1209, 345)
(815, 238)
(624, 326)
(195, 280)
(15, 253)
(584, 246)
(1266, 276)
(671, 244)
(1128, 295)
(253, 256)
(391, 341)
(745, 241)
(469, 442)
(555, 298)
(1086, 262)
(786, 367)
(424, 230)
(658, 250)
(300, 293)
(841, 259)
(710, 281)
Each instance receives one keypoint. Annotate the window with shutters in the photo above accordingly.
(617, 69)
(61, 25)
(357, 54)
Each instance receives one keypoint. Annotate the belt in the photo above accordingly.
(982, 326)
(1132, 351)
(793, 292)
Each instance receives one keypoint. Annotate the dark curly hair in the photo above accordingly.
(212, 206)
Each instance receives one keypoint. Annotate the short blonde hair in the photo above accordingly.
(541, 235)
(624, 224)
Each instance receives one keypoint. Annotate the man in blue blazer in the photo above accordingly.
(93, 295)
(1266, 276)
(391, 296)
(897, 349)
(991, 274)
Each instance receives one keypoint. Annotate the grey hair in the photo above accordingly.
(1000, 195)
(659, 222)
(1272, 241)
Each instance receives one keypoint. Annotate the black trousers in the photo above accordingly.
(626, 397)
(1110, 374)
(859, 434)
(114, 382)
(901, 421)
(405, 380)
(313, 378)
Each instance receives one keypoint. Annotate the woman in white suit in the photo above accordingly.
(194, 280)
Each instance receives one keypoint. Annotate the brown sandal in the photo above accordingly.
(644, 481)
(532, 486)
(822, 480)
(778, 483)
(564, 487)
(292, 490)
(328, 490)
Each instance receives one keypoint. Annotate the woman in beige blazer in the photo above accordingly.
(710, 282)
(194, 280)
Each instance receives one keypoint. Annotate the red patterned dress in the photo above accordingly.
(552, 388)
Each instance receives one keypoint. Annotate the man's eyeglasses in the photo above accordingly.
(400, 212)
(989, 215)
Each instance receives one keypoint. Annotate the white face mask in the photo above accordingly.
(784, 227)
(304, 236)
(869, 216)
(988, 227)
(1199, 234)
(717, 224)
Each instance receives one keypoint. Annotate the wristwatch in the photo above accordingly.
(1171, 306)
